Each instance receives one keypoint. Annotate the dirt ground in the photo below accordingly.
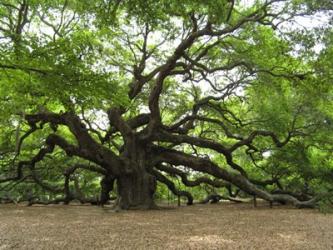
(218, 226)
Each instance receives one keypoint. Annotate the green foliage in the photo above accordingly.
(82, 56)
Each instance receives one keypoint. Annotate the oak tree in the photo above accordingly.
(231, 94)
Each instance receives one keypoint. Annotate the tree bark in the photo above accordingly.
(136, 187)
(136, 191)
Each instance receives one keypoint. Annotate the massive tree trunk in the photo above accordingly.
(136, 188)
(136, 191)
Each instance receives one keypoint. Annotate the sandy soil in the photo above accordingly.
(221, 226)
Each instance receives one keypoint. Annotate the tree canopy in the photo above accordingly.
(232, 94)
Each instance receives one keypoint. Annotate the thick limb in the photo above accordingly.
(161, 178)
(206, 166)
(191, 183)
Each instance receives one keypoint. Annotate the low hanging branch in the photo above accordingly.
(206, 166)
(191, 183)
(161, 178)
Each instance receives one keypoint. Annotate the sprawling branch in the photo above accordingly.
(161, 178)
(92, 168)
(191, 183)
(118, 122)
(88, 148)
(203, 143)
(166, 69)
(133, 123)
(24, 68)
(247, 141)
(227, 132)
(206, 166)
